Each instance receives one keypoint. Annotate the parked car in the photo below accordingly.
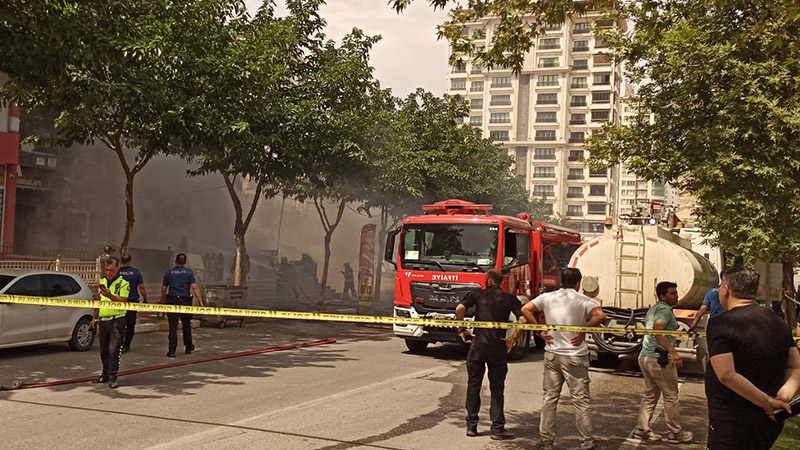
(22, 325)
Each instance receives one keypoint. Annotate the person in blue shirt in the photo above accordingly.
(179, 283)
(710, 302)
(134, 278)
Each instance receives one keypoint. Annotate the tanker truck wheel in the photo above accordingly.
(416, 346)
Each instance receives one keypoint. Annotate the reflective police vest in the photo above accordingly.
(118, 287)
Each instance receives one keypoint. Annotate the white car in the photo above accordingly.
(22, 325)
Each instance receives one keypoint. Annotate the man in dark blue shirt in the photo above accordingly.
(179, 283)
(134, 278)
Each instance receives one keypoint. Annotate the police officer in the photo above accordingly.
(134, 277)
(179, 283)
(112, 288)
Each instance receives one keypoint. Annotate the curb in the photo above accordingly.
(161, 326)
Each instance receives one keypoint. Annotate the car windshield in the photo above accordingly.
(4, 280)
(450, 244)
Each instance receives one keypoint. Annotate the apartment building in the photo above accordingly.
(565, 91)
(635, 191)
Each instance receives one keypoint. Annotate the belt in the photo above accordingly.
(180, 297)
(107, 318)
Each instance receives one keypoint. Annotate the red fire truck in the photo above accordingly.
(443, 255)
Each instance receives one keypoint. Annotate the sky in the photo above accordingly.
(408, 56)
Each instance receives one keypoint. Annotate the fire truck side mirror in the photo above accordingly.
(389, 251)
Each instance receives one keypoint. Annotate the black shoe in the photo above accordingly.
(472, 431)
(113, 384)
(99, 380)
(502, 435)
(189, 349)
(126, 349)
(171, 353)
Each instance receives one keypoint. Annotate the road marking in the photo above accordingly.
(188, 439)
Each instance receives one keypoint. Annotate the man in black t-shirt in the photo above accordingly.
(755, 367)
(489, 348)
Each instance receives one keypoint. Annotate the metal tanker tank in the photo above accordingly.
(629, 261)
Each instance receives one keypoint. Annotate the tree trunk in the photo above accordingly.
(379, 260)
(241, 251)
(129, 219)
(788, 305)
(325, 265)
(329, 228)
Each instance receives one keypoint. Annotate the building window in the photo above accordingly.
(459, 120)
(547, 80)
(551, 26)
(601, 97)
(458, 84)
(544, 172)
(545, 135)
(476, 103)
(546, 117)
(575, 155)
(579, 82)
(604, 23)
(501, 81)
(549, 44)
(580, 46)
(581, 28)
(574, 210)
(597, 190)
(548, 62)
(600, 43)
(500, 100)
(580, 64)
(577, 119)
(500, 118)
(476, 121)
(599, 173)
(574, 192)
(544, 153)
(498, 135)
(602, 78)
(547, 99)
(544, 190)
(599, 116)
(460, 67)
(476, 86)
(596, 208)
(576, 137)
(575, 174)
(477, 68)
(578, 100)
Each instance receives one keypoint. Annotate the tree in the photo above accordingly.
(341, 120)
(432, 157)
(252, 81)
(519, 23)
(114, 71)
(721, 79)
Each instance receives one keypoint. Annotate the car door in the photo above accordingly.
(24, 323)
(61, 321)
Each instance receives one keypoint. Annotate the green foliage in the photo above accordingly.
(519, 24)
(721, 79)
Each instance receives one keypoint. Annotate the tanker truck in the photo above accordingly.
(628, 261)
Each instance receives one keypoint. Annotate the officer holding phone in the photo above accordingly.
(111, 288)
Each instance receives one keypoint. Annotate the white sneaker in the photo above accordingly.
(684, 437)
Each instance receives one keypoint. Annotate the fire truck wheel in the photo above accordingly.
(416, 346)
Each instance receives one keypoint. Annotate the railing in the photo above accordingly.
(88, 270)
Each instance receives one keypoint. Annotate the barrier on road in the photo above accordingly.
(326, 317)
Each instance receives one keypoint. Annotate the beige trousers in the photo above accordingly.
(659, 382)
(574, 370)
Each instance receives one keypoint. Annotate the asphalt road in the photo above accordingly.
(364, 391)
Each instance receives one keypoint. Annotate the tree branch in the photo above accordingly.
(256, 199)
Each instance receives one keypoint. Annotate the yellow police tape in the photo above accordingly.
(325, 317)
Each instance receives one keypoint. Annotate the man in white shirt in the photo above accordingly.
(566, 354)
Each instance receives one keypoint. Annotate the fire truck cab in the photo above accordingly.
(443, 254)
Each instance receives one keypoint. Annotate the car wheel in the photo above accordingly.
(416, 346)
(82, 336)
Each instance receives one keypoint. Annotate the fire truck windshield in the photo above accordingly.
(457, 244)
